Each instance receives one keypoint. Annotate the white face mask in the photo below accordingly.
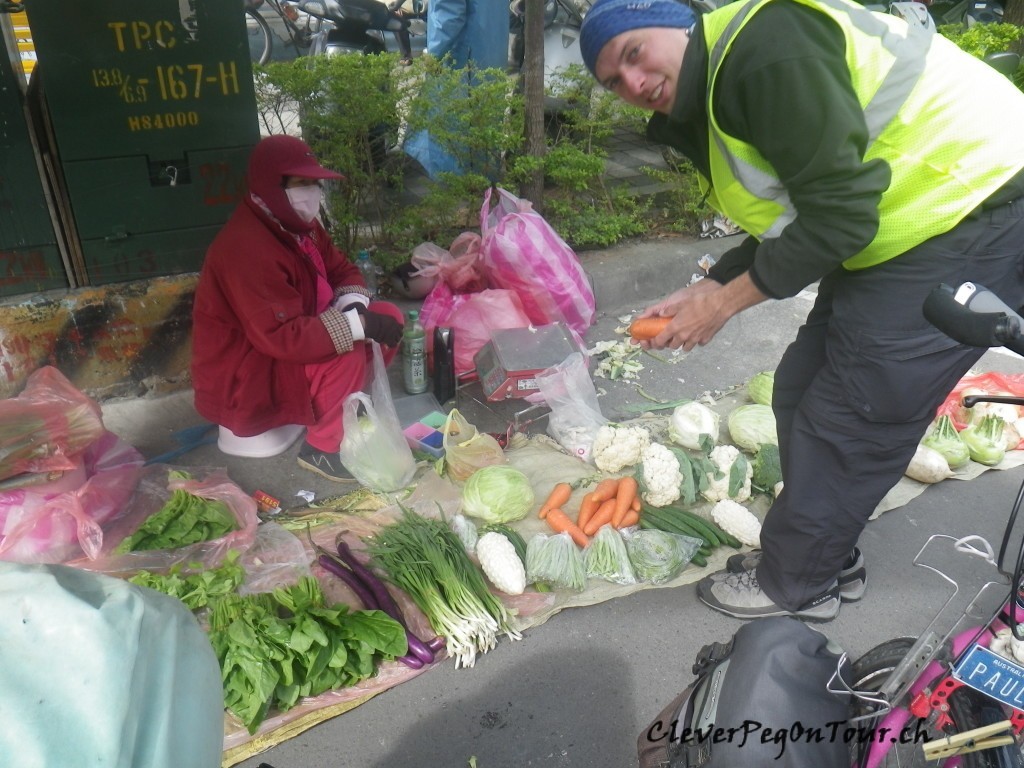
(305, 200)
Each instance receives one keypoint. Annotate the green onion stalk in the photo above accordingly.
(425, 559)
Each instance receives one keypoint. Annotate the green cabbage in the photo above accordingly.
(497, 494)
(657, 556)
(760, 387)
(751, 426)
(944, 438)
(985, 440)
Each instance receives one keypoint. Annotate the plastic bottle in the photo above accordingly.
(414, 355)
(369, 271)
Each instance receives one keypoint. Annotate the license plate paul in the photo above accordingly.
(995, 676)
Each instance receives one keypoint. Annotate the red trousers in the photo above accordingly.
(331, 382)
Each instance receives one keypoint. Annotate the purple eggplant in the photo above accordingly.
(411, 661)
(385, 602)
(365, 596)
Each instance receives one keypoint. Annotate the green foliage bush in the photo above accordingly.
(356, 110)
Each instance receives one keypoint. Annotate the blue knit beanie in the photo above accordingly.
(608, 18)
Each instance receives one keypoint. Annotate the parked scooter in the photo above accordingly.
(359, 26)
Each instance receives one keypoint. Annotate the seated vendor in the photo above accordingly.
(282, 319)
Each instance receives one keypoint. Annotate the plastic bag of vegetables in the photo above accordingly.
(556, 561)
(658, 556)
(605, 557)
(497, 494)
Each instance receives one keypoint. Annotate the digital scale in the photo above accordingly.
(508, 364)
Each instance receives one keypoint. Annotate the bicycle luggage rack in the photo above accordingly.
(933, 640)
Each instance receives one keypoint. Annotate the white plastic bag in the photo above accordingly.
(575, 416)
(373, 448)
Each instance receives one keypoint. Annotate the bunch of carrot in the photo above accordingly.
(614, 501)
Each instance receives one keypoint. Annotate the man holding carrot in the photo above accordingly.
(857, 151)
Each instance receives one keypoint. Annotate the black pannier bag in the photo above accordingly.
(761, 699)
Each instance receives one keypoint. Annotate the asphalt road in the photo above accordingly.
(577, 690)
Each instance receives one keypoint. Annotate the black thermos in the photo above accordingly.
(444, 364)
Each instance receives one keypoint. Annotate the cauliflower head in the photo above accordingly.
(662, 476)
(615, 448)
(737, 520)
(726, 458)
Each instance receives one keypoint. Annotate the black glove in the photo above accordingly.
(383, 329)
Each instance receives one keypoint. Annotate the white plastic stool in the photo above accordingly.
(271, 443)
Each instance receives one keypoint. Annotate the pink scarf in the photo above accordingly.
(324, 292)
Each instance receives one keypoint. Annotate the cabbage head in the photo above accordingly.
(497, 494)
(760, 387)
(751, 426)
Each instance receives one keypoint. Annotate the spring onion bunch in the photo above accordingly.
(426, 559)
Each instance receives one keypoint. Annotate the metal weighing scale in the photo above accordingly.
(506, 372)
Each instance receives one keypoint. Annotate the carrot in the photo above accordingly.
(636, 505)
(558, 496)
(560, 523)
(588, 507)
(603, 516)
(624, 499)
(606, 489)
(632, 518)
(646, 328)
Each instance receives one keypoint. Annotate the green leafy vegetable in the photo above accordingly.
(751, 426)
(198, 588)
(426, 560)
(185, 519)
(658, 556)
(497, 494)
(277, 648)
(767, 468)
(760, 387)
(605, 557)
(555, 560)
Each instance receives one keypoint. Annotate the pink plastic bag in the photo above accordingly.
(521, 252)
(65, 519)
(154, 488)
(475, 318)
(46, 425)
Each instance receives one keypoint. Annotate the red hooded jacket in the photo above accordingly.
(255, 324)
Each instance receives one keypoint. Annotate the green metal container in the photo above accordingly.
(30, 259)
(152, 114)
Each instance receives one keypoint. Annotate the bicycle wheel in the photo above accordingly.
(261, 41)
(968, 709)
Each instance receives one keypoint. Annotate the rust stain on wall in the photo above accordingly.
(119, 340)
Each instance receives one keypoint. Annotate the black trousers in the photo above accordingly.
(856, 390)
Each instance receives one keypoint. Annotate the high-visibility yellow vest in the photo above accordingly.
(951, 131)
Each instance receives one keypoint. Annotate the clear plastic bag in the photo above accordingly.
(605, 557)
(374, 449)
(459, 267)
(658, 556)
(466, 449)
(155, 486)
(575, 416)
(555, 560)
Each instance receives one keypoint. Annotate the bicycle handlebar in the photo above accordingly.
(974, 316)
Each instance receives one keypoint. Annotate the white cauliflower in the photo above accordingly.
(500, 563)
(661, 475)
(617, 447)
(725, 457)
(735, 519)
